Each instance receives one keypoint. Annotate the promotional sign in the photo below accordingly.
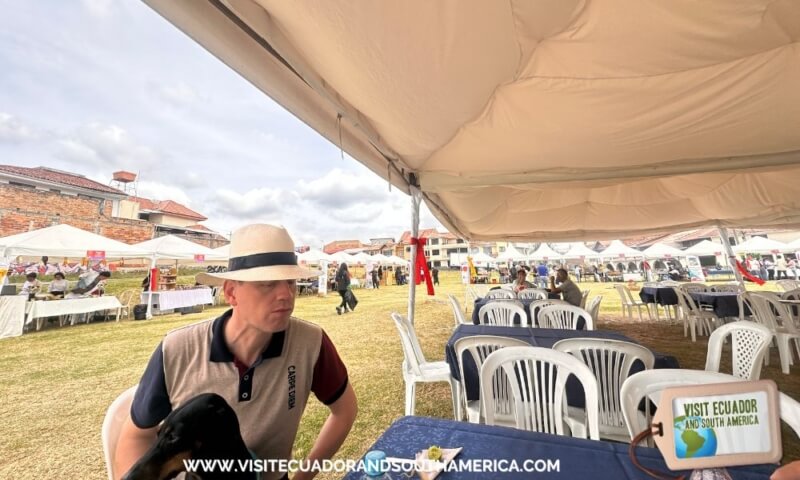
(96, 255)
(199, 258)
(322, 289)
(695, 269)
(719, 425)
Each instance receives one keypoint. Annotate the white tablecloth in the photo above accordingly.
(12, 315)
(54, 308)
(172, 299)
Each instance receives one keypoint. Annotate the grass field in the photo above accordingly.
(55, 385)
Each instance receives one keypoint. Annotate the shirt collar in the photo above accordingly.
(220, 351)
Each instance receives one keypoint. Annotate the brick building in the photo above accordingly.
(172, 218)
(33, 198)
(339, 245)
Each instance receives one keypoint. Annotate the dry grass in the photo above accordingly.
(55, 385)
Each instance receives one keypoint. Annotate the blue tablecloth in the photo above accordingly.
(659, 295)
(577, 458)
(479, 302)
(725, 304)
(537, 337)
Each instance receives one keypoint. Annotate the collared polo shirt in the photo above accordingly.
(570, 292)
(268, 397)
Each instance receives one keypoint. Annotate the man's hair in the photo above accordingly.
(105, 273)
(31, 275)
(562, 270)
(58, 274)
(522, 270)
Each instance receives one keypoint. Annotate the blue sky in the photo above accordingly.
(95, 86)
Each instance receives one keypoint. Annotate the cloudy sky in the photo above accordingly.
(95, 86)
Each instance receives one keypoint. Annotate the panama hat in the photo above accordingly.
(260, 253)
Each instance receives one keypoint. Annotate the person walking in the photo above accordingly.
(342, 284)
(435, 273)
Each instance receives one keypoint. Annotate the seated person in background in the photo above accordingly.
(31, 286)
(566, 287)
(59, 285)
(94, 286)
(520, 283)
(146, 283)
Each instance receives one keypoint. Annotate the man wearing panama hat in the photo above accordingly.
(263, 361)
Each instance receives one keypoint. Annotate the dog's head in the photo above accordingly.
(205, 427)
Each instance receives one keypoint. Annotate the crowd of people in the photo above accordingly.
(90, 283)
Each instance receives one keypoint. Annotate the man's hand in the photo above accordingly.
(790, 471)
(334, 431)
(133, 443)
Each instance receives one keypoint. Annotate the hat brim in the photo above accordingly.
(258, 274)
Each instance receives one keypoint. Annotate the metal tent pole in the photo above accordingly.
(723, 235)
(149, 313)
(416, 197)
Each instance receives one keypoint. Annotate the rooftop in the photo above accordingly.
(59, 177)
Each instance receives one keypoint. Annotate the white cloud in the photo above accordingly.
(155, 190)
(108, 147)
(13, 130)
(259, 203)
(98, 8)
(180, 94)
(340, 190)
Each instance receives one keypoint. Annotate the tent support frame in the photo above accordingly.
(723, 235)
(416, 197)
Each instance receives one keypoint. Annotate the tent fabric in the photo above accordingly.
(544, 120)
(511, 254)
(578, 250)
(760, 245)
(177, 248)
(65, 241)
(544, 252)
(794, 245)
(313, 256)
(659, 250)
(618, 249)
(706, 247)
(482, 259)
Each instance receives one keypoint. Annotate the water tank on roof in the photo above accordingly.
(124, 177)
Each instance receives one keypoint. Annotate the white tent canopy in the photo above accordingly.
(313, 256)
(173, 247)
(511, 254)
(794, 245)
(618, 249)
(395, 260)
(760, 245)
(544, 252)
(67, 241)
(706, 247)
(223, 251)
(578, 250)
(544, 119)
(660, 250)
(483, 260)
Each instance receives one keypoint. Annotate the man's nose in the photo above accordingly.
(287, 289)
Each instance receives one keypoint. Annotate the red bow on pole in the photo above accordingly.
(747, 274)
(422, 264)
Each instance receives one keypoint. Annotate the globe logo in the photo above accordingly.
(692, 442)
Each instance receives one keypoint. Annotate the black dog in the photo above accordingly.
(205, 427)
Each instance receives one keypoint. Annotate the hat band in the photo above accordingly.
(262, 260)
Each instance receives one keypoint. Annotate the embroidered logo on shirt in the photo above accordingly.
(292, 381)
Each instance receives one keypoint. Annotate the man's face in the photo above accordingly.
(521, 274)
(265, 306)
(561, 276)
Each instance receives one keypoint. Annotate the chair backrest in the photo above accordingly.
(693, 287)
(788, 284)
(790, 412)
(500, 293)
(538, 305)
(479, 348)
(538, 378)
(649, 384)
(532, 293)
(584, 297)
(502, 314)
(412, 352)
(685, 301)
(116, 415)
(611, 362)
(771, 313)
(727, 287)
(743, 300)
(565, 317)
(749, 345)
(457, 313)
(623, 294)
(594, 308)
(793, 294)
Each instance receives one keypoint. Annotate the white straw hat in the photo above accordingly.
(260, 253)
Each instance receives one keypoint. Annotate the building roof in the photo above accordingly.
(339, 245)
(405, 238)
(59, 177)
(168, 207)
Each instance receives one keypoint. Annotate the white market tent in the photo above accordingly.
(313, 256)
(579, 250)
(760, 245)
(223, 251)
(177, 248)
(539, 120)
(511, 254)
(794, 245)
(483, 260)
(706, 247)
(660, 250)
(544, 252)
(617, 249)
(67, 241)
(395, 260)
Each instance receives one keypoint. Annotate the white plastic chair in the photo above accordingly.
(693, 287)
(564, 317)
(126, 299)
(479, 348)
(793, 294)
(594, 308)
(750, 342)
(629, 303)
(116, 415)
(788, 285)
(502, 314)
(538, 305)
(727, 287)
(584, 297)
(695, 319)
(532, 293)
(776, 317)
(500, 293)
(418, 370)
(611, 362)
(538, 378)
(460, 319)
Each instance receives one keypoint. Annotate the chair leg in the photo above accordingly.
(785, 353)
(455, 390)
(410, 390)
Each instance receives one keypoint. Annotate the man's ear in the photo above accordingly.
(229, 288)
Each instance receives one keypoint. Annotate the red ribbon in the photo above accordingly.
(422, 273)
(747, 274)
